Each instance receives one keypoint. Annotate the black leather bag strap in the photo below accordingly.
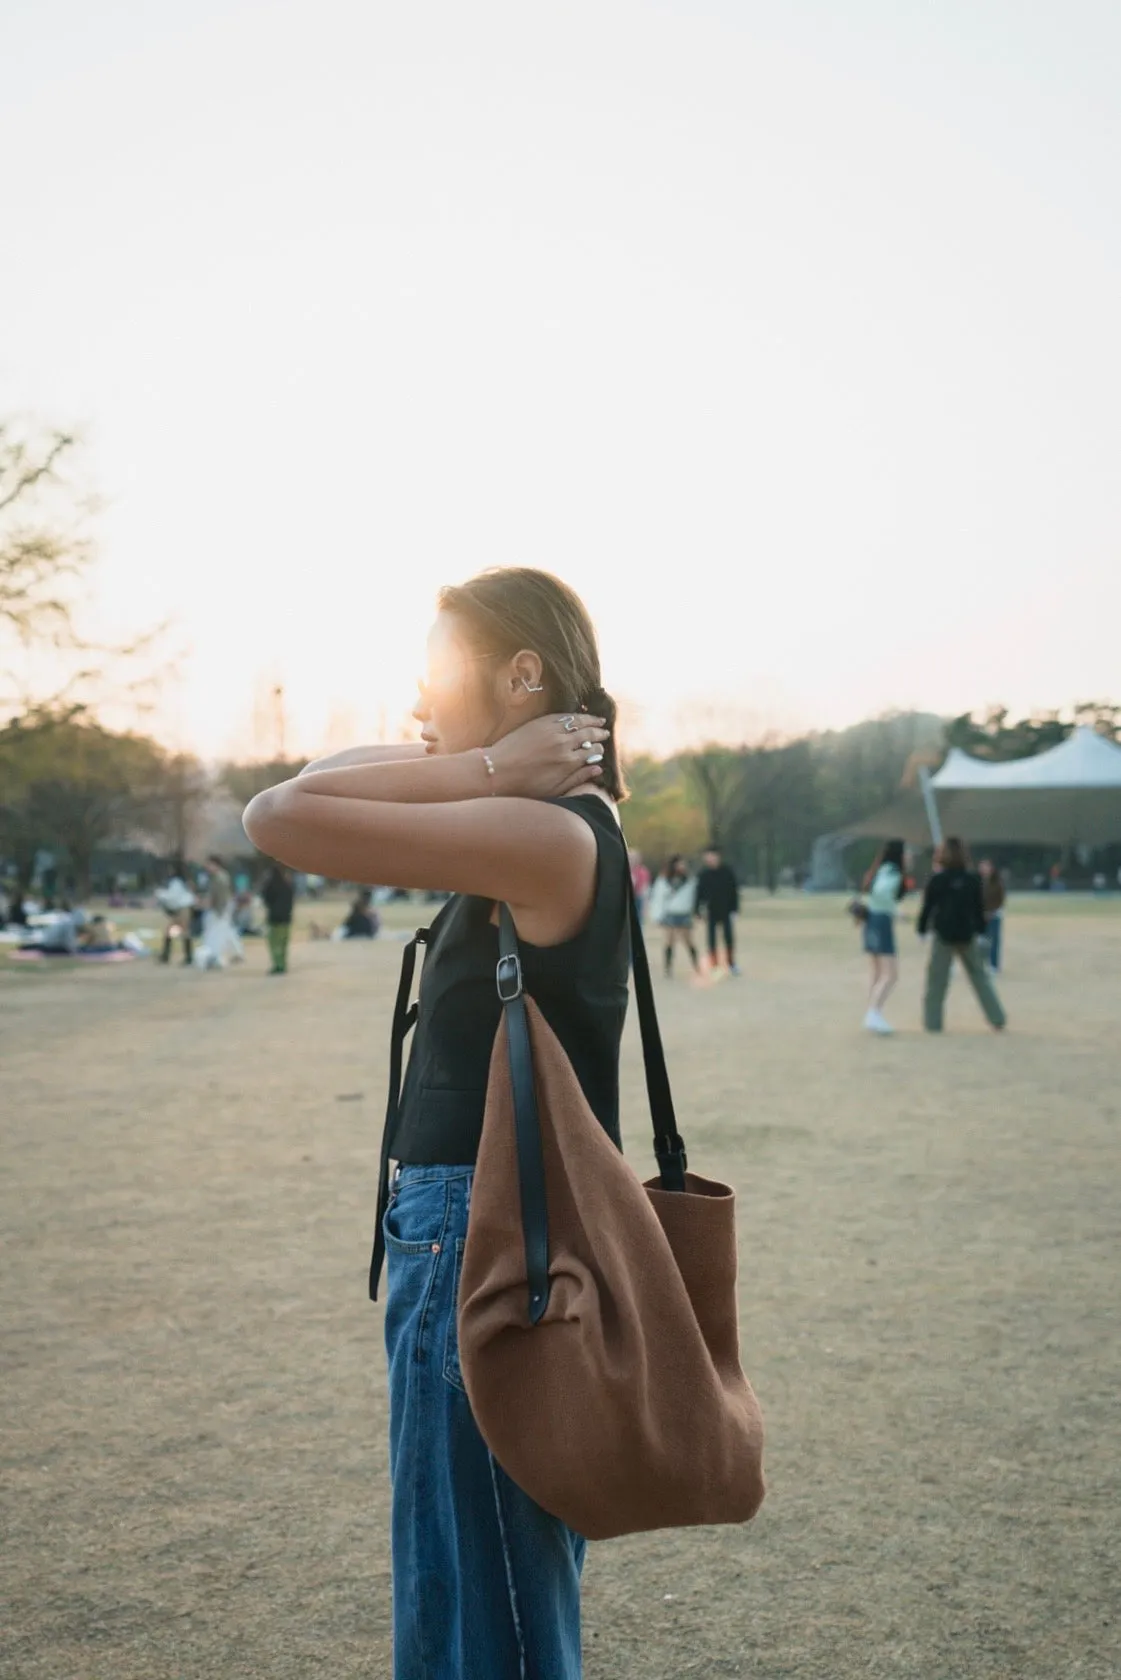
(404, 1020)
(527, 1130)
(669, 1146)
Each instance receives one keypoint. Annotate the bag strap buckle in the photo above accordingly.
(508, 977)
(672, 1161)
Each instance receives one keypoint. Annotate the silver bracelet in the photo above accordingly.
(489, 762)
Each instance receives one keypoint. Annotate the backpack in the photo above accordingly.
(955, 918)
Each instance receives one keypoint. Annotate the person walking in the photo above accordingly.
(718, 898)
(953, 909)
(992, 900)
(510, 798)
(278, 895)
(673, 905)
(884, 887)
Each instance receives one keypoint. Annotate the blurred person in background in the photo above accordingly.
(673, 904)
(953, 909)
(98, 936)
(640, 881)
(246, 914)
(177, 901)
(363, 922)
(219, 943)
(884, 886)
(718, 898)
(57, 934)
(992, 899)
(278, 894)
(17, 909)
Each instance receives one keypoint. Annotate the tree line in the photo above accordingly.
(73, 787)
(765, 803)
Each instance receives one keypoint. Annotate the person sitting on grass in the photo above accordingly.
(99, 936)
(60, 936)
(363, 921)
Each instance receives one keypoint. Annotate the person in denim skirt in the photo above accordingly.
(673, 906)
(885, 884)
(511, 796)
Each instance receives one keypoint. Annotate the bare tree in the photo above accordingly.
(717, 777)
(44, 541)
(781, 803)
(46, 555)
(177, 804)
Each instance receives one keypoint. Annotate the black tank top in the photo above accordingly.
(580, 987)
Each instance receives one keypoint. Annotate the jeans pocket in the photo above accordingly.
(416, 1217)
(452, 1371)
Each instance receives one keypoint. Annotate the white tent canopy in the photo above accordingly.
(1070, 794)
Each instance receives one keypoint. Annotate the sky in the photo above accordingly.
(788, 333)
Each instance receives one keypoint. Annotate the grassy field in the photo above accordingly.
(194, 1394)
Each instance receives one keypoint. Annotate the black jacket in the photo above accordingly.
(717, 891)
(954, 904)
(278, 896)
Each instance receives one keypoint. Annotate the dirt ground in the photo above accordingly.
(194, 1410)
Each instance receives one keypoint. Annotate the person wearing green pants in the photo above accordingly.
(953, 908)
(278, 895)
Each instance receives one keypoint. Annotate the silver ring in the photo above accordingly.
(595, 756)
(568, 723)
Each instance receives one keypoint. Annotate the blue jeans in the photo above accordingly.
(486, 1585)
(994, 931)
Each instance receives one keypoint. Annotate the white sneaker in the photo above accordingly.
(874, 1022)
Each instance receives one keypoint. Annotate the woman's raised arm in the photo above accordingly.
(366, 755)
(429, 823)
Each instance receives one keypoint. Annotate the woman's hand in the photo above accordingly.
(548, 758)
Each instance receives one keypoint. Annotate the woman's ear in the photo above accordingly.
(526, 676)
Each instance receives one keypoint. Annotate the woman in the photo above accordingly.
(953, 905)
(884, 886)
(510, 797)
(673, 905)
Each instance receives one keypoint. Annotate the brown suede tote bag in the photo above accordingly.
(598, 1333)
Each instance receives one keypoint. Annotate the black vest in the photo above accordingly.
(580, 987)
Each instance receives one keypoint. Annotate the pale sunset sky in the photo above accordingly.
(788, 332)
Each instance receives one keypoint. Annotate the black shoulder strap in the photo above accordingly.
(527, 1131)
(404, 1020)
(669, 1146)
